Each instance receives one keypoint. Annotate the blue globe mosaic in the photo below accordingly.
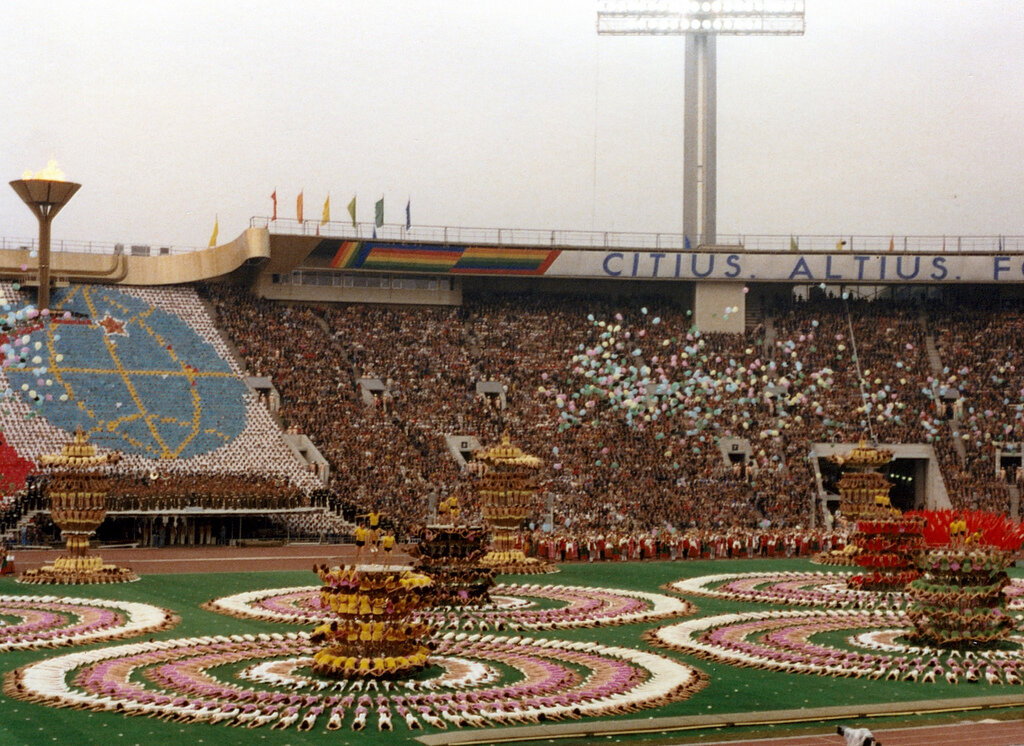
(134, 377)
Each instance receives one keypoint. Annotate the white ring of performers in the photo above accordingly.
(516, 607)
(29, 622)
(479, 680)
(808, 589)
(798, 642)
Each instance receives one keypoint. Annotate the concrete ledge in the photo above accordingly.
(632, 726)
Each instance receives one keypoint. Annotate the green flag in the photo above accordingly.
(792, 244)
(352, 210)
(378, 212)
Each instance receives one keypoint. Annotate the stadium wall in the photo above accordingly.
(714, 282)
(252, 246)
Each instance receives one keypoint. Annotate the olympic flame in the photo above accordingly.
(51, 173)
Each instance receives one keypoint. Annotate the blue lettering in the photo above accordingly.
(881, 272)
(693, 265)
(939, 262)
(801, 268)
(1002, 264)
(679, 263)
(607, 259)
(734, 262)
(657, 260)
(828, 270)
(636, 263)
(861, 260)
(899, 267)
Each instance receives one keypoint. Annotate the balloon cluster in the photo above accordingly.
(19, 351)
(644, 374)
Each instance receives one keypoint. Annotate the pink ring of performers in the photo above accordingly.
(515, 607)
(478, 680)
(797, 642)
(29, 622)
(807, 589)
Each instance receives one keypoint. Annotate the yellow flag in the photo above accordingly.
(326, 218)
(216, 230)
(298, 207)
(352, 211)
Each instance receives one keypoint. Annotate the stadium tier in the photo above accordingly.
(626, 401)
(144, 372)
(645, 423)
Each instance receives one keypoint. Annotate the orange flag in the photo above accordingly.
(298, 207)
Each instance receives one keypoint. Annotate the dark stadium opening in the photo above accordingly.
(1011, 463)
(738, 461)
(906, 475)
(831, 473)
(902, 474)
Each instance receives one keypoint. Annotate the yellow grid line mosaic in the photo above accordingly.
(137, 321)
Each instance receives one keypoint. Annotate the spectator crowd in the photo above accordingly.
(829, 370)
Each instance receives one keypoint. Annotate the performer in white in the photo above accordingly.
(857, 736)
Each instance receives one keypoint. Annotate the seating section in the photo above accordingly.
(624, 400)
(620, 454)
(143, 372)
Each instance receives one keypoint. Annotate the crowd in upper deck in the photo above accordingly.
(629, 432)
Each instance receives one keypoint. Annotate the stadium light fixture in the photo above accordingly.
(700, 21)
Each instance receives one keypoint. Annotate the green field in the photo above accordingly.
(730, 689)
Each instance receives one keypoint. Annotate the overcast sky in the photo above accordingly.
(902, 117)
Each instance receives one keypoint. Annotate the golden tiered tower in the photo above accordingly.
(507, 489)
(862, 490)
(373, 629)
(886, 542)
(77, 490)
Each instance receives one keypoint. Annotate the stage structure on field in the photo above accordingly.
(76, 485)
(960, 601)
(450, 552)
(373, 629)
(886, 541)
(507, 487)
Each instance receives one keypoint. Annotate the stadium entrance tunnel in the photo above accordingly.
(907, 477)
(913, 473)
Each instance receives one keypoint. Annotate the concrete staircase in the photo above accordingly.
(770, 337)
(935, 365)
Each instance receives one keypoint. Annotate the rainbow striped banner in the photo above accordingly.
(346, 255)
(490, 260)
(435, 258)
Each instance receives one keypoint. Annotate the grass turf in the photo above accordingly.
(730, 689)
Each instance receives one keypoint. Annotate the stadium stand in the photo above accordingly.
(145, 372)
(171, 396)
(608, 474)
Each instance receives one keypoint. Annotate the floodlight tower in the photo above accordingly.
(700, 23)
(45, 198)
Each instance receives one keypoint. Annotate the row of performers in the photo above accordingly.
(736, 543)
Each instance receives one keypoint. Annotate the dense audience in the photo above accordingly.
(625, 402)
(832, 370)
